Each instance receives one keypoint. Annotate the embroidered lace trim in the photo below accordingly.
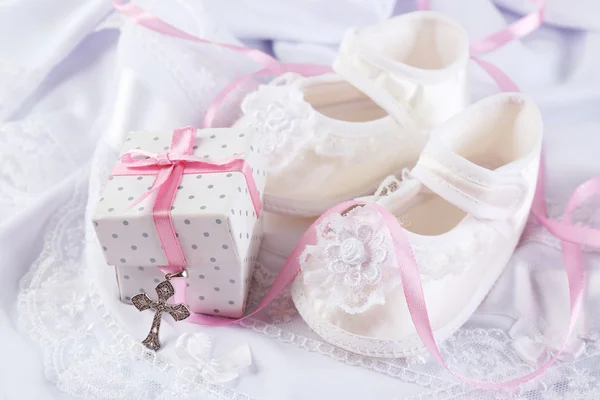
(88, 354)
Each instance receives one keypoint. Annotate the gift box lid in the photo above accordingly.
(210, 211)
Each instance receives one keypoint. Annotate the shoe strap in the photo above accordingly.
(395, 86)
(392, 94)
(356, 50)
(481, 192)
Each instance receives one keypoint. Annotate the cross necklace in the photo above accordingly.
(164, 291)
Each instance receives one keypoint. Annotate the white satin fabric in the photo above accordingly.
(72, 83)
(349, 279)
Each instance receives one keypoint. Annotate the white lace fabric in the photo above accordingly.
(22, 144)
(89, 354)
(285, 121)
(86, 353)
(295, 134)
(352, 266)
(89, 351)
(291, 126)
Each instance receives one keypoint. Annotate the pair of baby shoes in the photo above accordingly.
(392, 126)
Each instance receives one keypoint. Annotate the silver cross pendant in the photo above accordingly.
(164, 291)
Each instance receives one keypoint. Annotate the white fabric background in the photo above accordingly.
(72, 82)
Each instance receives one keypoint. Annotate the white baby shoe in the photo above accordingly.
(334, 137)
(463, 208)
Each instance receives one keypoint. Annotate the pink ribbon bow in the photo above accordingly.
(169, 168)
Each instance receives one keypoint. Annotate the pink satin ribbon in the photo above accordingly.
(270, 65)
(169, 168)
(518, 29)
(572, 236)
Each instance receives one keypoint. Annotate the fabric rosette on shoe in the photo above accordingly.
(284, 121)
(352, 266)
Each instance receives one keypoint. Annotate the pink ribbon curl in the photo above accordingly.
(169, 168)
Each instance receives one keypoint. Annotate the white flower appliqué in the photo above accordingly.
(195, 349)
(284, 121)
(352, 266)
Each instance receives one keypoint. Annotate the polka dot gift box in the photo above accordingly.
(197, 196)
